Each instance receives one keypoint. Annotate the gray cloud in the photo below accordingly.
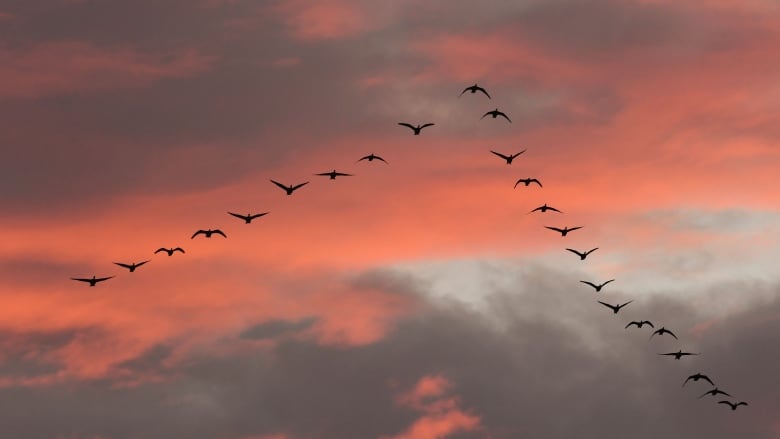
(276, 328)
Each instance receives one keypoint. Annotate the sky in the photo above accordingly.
(418, 298)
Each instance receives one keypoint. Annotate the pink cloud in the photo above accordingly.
(329, 20)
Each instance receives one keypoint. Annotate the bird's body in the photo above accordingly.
(698, 376)
(495, 113)
(661, 331)
(599, 286)
(508, 158)
(640, 323)
(473, 89)
(614, 308)
(333, 174)
(170, 251)
(289, 189)
(714, 391)
(732, 405)
(527, 182)
(132, 266)
(582, 255)
(417, 128)
(208, 233)
(371, 157)
(248, 217)
(564, 231)
(679, 354)
(544, 208)
(92, 282)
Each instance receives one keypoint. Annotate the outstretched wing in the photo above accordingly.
(380, 158)
(740, 403)
(486, 114)
(258, 215)
(341, 174)
(649, 323)
(633, 323)
(706, 378)
(612, 307)
(611, 280)
(300, 185)
(553, 209)
(590, 283)
(198, 233)
(576, 228)
(515, 155)
(504, 116)
(219, 232)
(101, 279)
(80, 279)
(591, 251)
(412, 127)
(533, 180)
(464, 91)
(554, 228)
(621, 306)
(576, 253)
(178, 249)
(279, 184)
(484, 91)
(141, 263)
(733, 406)
(671, 333)
(426, 125)
(240, 216)
(500, 155)
(161, 249)
(128, 266)
(520, 181)
(326, 174)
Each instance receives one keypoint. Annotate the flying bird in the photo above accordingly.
(371, 157)
(248, 217)
(417, 128)
(473, 89)
(581, 254)
(92, 282)
(208, 233)
(663, 331)
(132, 266)
(289, 189)
(562, 231)
(597, 287)
(544, 208)
(169, 250)
(679, 354)
(732, 405)
(698, 376)
(713, 392)
(640, 323)
(333, 174)
(508, 158)
(614, 308)
(528, 181)
(495, 113)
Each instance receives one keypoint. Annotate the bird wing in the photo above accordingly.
(179, 249)
(240, 216)
(554, 228)
(672, 334)
(575, 228)
(621, 306)
(505, 116)
(515, 155)
(326, 173)
(198, 233)
(741, 403)
(553, 209)
(486, 114)
(632, 323)
(464, 91)
(709, 392)
(533, 180)
(101, 279)
(591, 251)
(380, 158)
(426, 125)
(500, 155)
(518, 182)
(589, 283)
(484, 91)
(219, 232)
(279, 184)
(81, 279)
(124, 265)
(720, 391)
(363, 158)
(705, 377)
(575, 252)
(341, 174)
(142, 263)
(161, 249)
(538, 208)
(686, 380)
(650, 323)
(258, 215)
(729, 403)
(612, 307)
(611, 280)
(407, 125)
(299, 185)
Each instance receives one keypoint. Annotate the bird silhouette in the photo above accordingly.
(248, 217)
(169, 250)
(679, 354)
(614, 308)
(597, 287)
(662, 331)
(640, 323)
(289, 189)
(473, 89)
(495, 113)
(713, 392)
(371, 157)
(132, 266)
(333, 174)
(417, 128)
(698, 376)
(208, 233)
(544, 208)
(528, 181)
(92, 282)
(732, 405)
(581, 254)
(508, 158)
(564, 231)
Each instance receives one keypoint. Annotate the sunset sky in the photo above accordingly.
(416, 299)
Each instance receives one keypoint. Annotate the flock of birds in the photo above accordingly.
(417, 129)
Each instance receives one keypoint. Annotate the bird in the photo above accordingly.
(169, 250)
(544, 208)
(581, 254)
(597, 287)
(679, 354)
(508, 158)
(562, 231)
(289, 189)
(92, 282)
(698, 376)
(495, 113)
(614, 308)
(528, 181)
(732, 405)
(208, 233)
(473, 89)
(714, 391)
(333, 174)
(132, 266)
(248, 217)
(371, 157)
(663, 331)
(640, 323)
(417, 128)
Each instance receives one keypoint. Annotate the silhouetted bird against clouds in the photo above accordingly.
(417, 128)
(597, 287)
(495, 113)
(698, 376)
(248, 217)
(169, 250)
(371, 157)
(581, 254)
(614, 308)
(732, 405)
(640, 323)
(663, 331)
(473, 89)
(713, 392)
(333, 174)
(679, 354)
(544, 208)
(562, 231)
(208, 233)
(289, 189)
(508, 158)
(132, 266)
(92, 282)
(528, 181)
